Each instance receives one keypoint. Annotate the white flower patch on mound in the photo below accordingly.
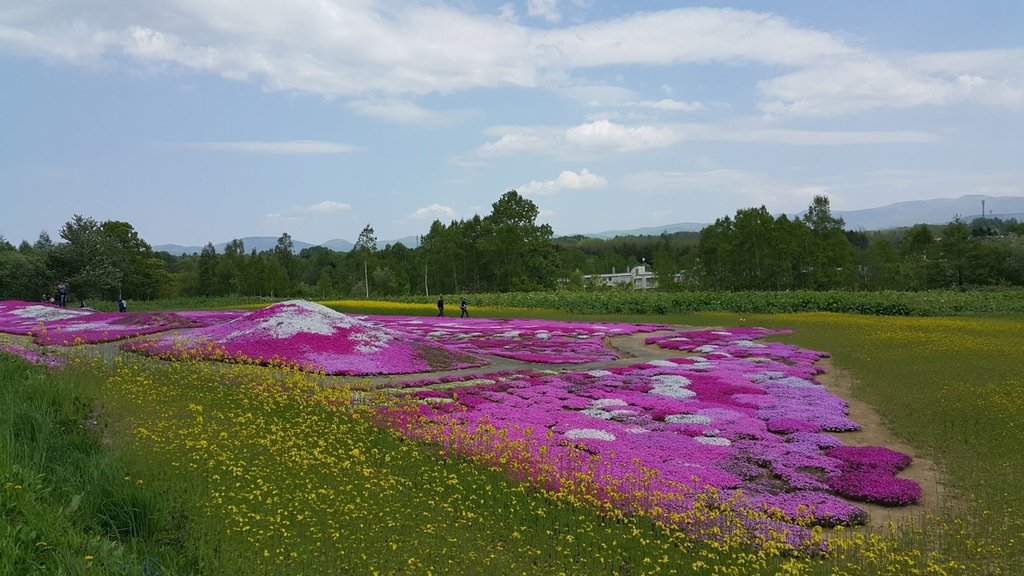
(606, 402)
(598, 373)
(687, 419)
(48, 313)
(713, 440)
(315, 337)
(589, 434)
(663, 363)
(673, 386)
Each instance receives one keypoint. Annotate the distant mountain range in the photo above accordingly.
(899, 214)
(264, 243)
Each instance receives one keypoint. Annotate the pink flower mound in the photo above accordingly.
(312, 337)
(526, 340)
(53, 326)
(868, 473)
(33, 357)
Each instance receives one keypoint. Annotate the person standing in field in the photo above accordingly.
(440, 305)
(62, 294)
(464, 307)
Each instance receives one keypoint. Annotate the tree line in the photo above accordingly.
(508, 251)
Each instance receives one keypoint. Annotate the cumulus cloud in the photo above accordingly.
(609, 135)
(567, 180)
(284, 147)
(434, 212)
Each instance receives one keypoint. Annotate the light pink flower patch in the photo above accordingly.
(527, 340)
(310, 336)
(53, 326)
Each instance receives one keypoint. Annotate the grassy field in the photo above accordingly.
(189, 468)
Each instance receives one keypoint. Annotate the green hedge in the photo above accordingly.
(934, 303)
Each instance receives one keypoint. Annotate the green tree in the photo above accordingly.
(518, 252)
(955, 250)
(366, 246)
(87, 259)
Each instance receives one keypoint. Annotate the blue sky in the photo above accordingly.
(207, 120)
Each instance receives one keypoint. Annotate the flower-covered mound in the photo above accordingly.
(751, 427)
(50, 325)
(528, 340)
(312, 337)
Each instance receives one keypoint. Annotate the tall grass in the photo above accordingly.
(67, 502)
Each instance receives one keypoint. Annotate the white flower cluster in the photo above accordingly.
(47, 313)
(673, 386)
(687, 419)
(589, 433)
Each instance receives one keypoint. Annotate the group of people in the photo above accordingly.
(463, 306)
(61, 298)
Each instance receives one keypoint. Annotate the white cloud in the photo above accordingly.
(434, 212)
(371, 50)
(399, 112)
(368, 48)
(567, 180)
(262, 147)
(667, 104)
(297, 214)
(609, 135)
(546, 9)
(603, 136)
(517, 141)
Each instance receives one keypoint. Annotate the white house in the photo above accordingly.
(639, 277)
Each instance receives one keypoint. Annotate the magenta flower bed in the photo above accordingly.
(53, 326)
(33, 356)
(867, 473)
(527, 340)
(309, 336)
(751, 426)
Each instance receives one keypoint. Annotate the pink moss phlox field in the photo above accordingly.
(752, 426)
(309, 336)
(736, 342)
(540, 341)
(53, 326)
(33, 356)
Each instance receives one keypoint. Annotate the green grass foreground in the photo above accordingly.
(198, 468)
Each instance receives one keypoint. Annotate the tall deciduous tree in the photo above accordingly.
(519, 251)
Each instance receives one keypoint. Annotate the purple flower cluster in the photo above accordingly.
(309, 336)
(868, 474)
